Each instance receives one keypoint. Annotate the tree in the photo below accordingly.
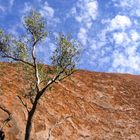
(23, 50)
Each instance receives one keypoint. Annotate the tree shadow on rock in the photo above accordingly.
(2, 135)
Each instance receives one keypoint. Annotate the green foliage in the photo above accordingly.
(20, 50)
(5, 40)
(43, 73)
(35, 25)
(66, 54)
(10, 46)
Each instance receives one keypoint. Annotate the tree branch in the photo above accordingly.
(55, 125)
(67, 75)
(50, 82)
(22, 102)
(17, 59)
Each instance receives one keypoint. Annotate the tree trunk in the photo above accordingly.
(29, 121)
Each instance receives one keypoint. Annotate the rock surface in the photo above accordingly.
(89, 106)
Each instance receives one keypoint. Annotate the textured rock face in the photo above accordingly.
(89, 106)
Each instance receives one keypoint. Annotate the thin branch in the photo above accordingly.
(17, 59)
(49, 83)
(55, 125)
(67, 75)
(22, 102)
(6, 120)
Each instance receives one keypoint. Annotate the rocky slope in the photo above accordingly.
(89, 106)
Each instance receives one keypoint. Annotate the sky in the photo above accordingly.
(109, 30)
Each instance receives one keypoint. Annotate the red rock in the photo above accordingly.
(89, 106)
